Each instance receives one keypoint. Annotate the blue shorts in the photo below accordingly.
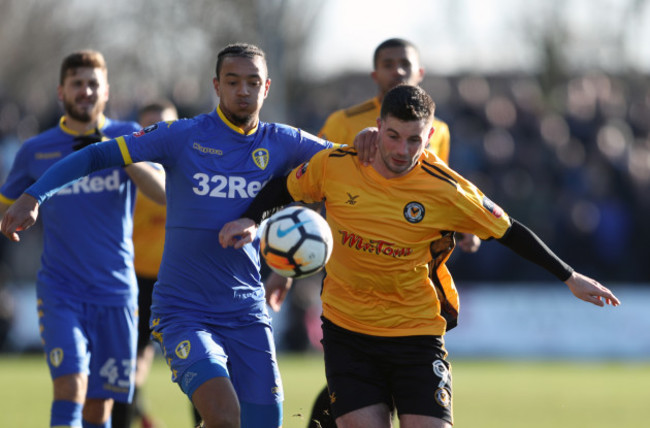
(245, 354)
(96, 340)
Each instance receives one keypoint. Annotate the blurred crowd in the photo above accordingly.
(569, 159)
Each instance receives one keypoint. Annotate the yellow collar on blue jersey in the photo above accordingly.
(233, 126)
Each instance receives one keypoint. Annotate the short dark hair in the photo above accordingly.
(242, 50)
(407, 103)
(157, 106)
(392, 43)
(84, 58)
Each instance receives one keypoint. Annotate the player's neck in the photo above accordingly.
(78, 126)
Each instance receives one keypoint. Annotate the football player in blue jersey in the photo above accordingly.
(86, 289)
(208, 312)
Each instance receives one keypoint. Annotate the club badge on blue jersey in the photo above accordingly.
(261, 158)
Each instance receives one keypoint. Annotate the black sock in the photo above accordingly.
(124, 413)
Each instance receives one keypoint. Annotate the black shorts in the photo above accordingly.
(410, 372)
(145, 289)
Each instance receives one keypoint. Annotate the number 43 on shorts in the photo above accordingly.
(111, 371)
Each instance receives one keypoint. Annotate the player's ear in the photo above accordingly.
(420, 74)
(215, 83)
(431, 131)
(59, 92)
(267, 85)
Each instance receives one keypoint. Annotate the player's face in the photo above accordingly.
(242, 87)
(151, 117)
(395, 66)
(84, 94)
(400, 145)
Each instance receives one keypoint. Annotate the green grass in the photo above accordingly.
(486, 393)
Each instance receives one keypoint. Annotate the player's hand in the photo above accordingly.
(467, 242)
(366, 144)
(590, 290)
(21, 215)
(237, 233)
(277, 287)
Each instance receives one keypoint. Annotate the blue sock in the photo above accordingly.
(261, 415)
(106, 424)
(65, 414)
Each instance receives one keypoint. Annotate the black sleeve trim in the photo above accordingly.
(528, 245)
(272, 196)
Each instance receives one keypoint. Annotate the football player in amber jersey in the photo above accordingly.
(395, 62)
(383, 310)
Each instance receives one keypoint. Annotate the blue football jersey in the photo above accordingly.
(87, 252)
(213, 172)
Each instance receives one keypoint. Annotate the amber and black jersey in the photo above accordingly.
(385, 230)
(343, 125)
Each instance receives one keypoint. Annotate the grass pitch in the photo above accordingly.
(521, 394)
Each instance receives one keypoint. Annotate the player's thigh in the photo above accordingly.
(113, 337)
(62, 328)
(217, 402)
(193, 353)
(420, 378)
(419, 421)
(253, 364)
(355, 371)
(376, 415)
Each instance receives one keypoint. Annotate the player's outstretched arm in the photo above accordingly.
(524, 242)
(590, 290)
(21, 215)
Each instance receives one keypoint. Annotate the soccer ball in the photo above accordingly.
(296, 242)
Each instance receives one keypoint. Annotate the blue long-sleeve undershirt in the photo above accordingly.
(75, 166)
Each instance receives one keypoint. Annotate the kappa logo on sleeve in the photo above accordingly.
(146, 130)
(492, 207)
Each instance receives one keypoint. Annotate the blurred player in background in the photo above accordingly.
(388, 296)
(148, 242)
(208, 312)
(86, 287)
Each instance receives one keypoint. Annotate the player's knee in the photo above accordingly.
(71, 387)
(222, 417)
(97, 410)
(217, 403)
